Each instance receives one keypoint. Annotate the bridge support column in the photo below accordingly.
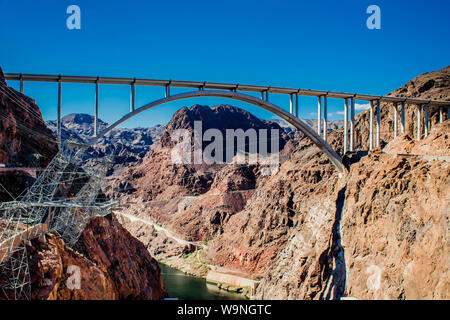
(319, 115)
(371, 126)
(402, 119)
(133, 97)
(21, 83)
(345, 125)
(378, 124)
(167, 90)
(96, 109)
(325, 118)
(352, 124)
(395, 120)
(418, 119)
(296, 105)
(58, 121)
(426, 126)
(291, 103)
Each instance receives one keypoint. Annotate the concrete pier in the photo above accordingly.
(378, 124)
(395, 119)
(167, 91)
(371, 126)
(325, 118)
(21, 83)
(402, 119)
(96, 110)
(345, 125)
(352, 124)
(133, 97)
(58, 121)
(419, 120)
(319, 115)
(291, 103)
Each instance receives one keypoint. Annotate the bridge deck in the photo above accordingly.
(217, 86)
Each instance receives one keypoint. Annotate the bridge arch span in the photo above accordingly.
(288, 117)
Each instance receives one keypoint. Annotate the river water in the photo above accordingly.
(186, 287)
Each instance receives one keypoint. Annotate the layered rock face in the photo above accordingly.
(307, 261)
(395, 227)
(253, 237)
(111, 263)
(380, 232)
(51, 266)
(25, 141)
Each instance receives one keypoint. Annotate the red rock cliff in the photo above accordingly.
(24, 138)
(380, 232)
(112, 264)
(25, 141)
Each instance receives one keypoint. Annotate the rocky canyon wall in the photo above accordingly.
(25, 140)
(395, 222)
(112, 265)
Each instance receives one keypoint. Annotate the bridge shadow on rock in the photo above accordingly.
(353, 157)
(334, 273)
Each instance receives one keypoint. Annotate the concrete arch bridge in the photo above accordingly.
(240, 92)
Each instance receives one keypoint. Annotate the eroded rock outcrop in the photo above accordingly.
(112, 265)
(52, 265)
(382, 232)
(253, 237)
(395, 223)
(25, 141)
(309, 255)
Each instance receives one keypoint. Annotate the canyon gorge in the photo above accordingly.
(379, 231)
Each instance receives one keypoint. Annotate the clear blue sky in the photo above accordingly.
(321, 44)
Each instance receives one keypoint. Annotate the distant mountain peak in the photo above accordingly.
(221, 117)
(80, 118)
